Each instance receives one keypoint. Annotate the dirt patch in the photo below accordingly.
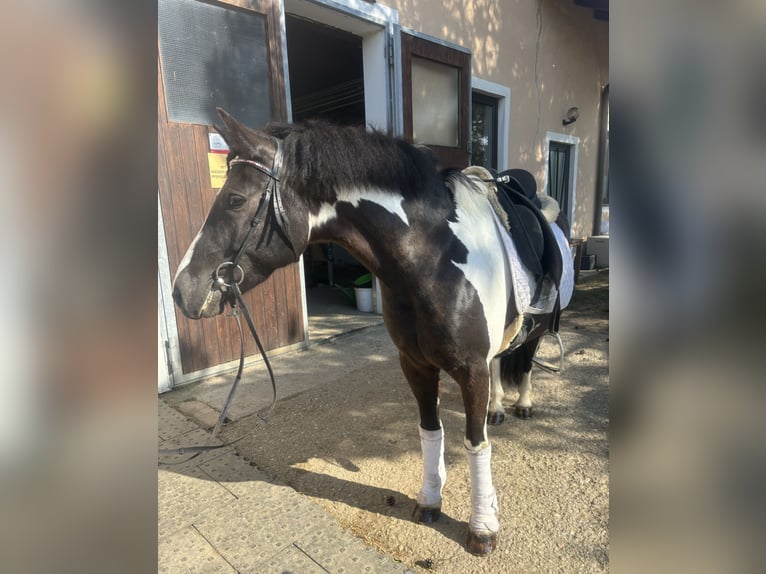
(352, 446)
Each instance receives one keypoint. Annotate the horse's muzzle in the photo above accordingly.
(197, 300)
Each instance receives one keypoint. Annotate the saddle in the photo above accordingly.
(527, 217)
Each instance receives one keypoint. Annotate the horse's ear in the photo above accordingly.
(240, 138)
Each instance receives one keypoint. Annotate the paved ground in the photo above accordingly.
(217, 513)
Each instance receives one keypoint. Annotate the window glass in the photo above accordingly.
(435, 99)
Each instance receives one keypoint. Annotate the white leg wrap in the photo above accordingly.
(525, 390)
(434, 470)
(484, 506)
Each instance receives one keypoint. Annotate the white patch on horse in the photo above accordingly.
(525, 390)
(496, 392)
(391, 201)
(189, 254)
(485, 267)
(326, 213)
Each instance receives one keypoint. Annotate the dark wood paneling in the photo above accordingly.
(422, 48)
(185, 198)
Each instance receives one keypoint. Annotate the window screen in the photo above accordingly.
(213, 56)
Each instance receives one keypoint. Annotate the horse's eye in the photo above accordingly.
(236, 200)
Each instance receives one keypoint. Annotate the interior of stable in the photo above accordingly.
(326, 82)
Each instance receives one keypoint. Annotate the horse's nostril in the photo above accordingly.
(177, 297)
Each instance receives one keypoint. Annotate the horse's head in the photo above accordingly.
(254, 225)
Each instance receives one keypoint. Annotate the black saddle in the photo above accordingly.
(530, 231)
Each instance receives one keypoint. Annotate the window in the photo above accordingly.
(214, 55)
(435, 109)
(559, 157)
(436, 95)
(484, 120)
(490, 127)
(561, 161)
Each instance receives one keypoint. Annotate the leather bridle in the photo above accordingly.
(271, 197)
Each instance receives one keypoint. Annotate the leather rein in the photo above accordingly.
(270, 197)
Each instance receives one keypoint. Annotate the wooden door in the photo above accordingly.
(436, 93)
(228, 54)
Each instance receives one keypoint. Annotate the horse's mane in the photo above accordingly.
(322, 157)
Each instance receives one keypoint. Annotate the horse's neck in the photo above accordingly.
(369, 223)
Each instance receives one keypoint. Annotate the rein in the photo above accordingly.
(272, 196)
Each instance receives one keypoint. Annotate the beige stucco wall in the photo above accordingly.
(572, 69)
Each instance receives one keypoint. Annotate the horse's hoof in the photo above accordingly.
(481, 544)
(495, 418)
(523, 412)
(425, 514)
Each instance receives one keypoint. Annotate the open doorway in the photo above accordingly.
(327, 83)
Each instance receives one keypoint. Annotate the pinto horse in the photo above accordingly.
(446, 267)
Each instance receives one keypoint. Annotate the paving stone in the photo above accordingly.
(289, 560)
(183, 498)
(237, 475)
(171, 423)
(240, 539)
(196, 437)
(205, 415)
(339, 552)
(187, 551)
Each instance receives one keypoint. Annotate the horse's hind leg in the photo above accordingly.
(517, 369)
(496, 414)
(424, 382)
(483, 525)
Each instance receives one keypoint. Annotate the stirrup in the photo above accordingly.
(547, 366)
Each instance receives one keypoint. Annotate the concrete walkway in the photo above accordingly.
(217, 513)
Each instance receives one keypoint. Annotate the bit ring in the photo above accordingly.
(220, 281)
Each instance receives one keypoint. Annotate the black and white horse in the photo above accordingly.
(448, 273)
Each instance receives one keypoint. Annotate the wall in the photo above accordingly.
(569, 68)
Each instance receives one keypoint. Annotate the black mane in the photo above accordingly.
(321, 157)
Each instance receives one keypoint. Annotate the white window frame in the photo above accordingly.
(503, 96)
(574, 141)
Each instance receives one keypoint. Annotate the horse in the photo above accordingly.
(445, 265)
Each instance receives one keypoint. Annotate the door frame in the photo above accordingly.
(377, 25)
(574, 142)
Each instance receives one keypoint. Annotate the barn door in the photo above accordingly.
(436, 88)
(226, 54)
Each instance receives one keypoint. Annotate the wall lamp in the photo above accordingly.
(571, 117)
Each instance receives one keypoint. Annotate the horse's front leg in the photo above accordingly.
(424, 382)
(483, 526)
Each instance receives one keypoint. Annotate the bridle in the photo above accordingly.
(271, 197)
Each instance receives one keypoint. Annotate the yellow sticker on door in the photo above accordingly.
(217, 163)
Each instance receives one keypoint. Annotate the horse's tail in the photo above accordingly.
(514, 365)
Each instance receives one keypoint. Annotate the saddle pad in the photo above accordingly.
(524, 280)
